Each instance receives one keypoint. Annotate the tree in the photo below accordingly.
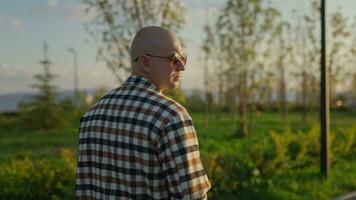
(243, 30)
(207, 47)
(353, 89)
(284, 54)
(306, 58)
(176, 94)
(308, 55)
(309, 65)
(43, 111)
(266, 91)
(352, 61)
(195, 102)
(117, 22)
(339, 35)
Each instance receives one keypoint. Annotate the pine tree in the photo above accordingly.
(43, 111)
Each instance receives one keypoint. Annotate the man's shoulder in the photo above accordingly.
(128, 94)
(153, 97)
(174, 105)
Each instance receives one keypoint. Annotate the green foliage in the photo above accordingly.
(35, 145)
(176, 94)
(35, 115)
(195, 102)
(242, 28)
(273, 164)
(280, 160)
(343, 143)
(8, 122)
(27, 179)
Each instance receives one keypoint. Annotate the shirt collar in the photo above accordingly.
(140, 81)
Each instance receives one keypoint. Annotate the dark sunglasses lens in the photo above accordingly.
(175, 59)
(179, 58)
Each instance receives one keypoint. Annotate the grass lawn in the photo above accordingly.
(217, 138)
(35, 144)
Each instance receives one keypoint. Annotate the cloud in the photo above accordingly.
(11, 21)
(16, 23)
(52, 3)
(14, 71)
(15, 78)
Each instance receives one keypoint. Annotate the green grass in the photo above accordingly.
(20, 143)
(309, 184)
(228, 160)
(218, 137)
(222, 127)
(36, 144)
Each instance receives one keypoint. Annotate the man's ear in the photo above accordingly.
(145, 62)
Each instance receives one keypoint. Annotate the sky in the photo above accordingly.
(26, 24)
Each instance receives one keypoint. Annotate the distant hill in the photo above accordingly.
(9, 102)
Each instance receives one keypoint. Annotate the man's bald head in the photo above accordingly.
(154, 40)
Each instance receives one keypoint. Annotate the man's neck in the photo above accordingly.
(148, 78)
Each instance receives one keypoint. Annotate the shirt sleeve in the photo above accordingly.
(179, 153)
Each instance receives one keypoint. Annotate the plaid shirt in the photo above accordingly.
(136, 143)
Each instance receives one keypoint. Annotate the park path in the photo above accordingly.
(350, 196)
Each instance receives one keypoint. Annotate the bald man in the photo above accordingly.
(136, 143)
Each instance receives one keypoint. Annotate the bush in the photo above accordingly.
(27, 179)
(250, 168)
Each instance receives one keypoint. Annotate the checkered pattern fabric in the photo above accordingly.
(136, 143)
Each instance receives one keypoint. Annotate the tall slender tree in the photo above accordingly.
(282, 35)
(339, 35)
(306, 53)
(352, 61)
(243, 29)
(117, 22)
(208, 43)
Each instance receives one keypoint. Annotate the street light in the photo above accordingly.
(76, 90)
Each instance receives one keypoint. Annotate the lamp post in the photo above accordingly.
(324, 100)
(76, 90)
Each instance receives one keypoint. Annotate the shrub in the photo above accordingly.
(28, 179)
(250, 167)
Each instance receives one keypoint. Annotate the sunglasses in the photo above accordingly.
(176, 58)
